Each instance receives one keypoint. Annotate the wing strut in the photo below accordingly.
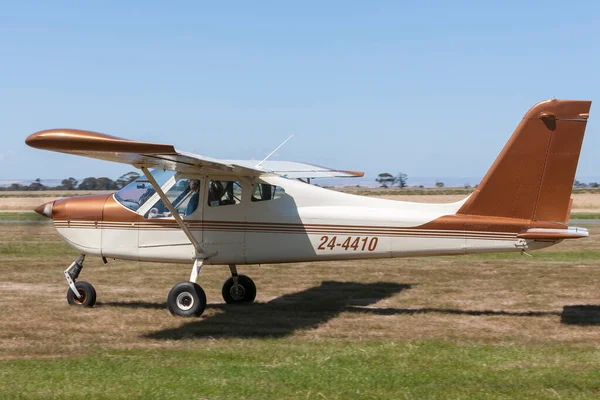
(184, 228)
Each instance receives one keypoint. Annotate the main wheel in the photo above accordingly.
(87, 292)
(186, 299)
(245, 292)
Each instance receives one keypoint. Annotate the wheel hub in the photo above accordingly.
(185, 301)
(237, 292)
(83, 296)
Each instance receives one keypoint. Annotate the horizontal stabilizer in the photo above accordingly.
(554, 234)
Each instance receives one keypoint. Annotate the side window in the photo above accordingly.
(224, 193)
(264, 191)
(184, 196)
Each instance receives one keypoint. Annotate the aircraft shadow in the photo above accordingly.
(315, 306)
(581, 315)
(412, 311)
(284, 315)
(133, 304)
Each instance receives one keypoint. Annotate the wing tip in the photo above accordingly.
(74, 140)
(354, 174)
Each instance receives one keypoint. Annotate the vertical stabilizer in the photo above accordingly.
(532, 178)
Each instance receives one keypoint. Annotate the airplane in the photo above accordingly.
(188, 208)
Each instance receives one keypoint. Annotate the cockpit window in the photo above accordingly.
(184, 196)
(264, 191)
(224, 193)
(134, 195)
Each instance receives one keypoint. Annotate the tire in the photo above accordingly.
(87, 292)
(186, 299)
(246, 293)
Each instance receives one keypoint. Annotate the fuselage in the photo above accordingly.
(302, 223)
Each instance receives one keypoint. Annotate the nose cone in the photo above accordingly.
(45, 209)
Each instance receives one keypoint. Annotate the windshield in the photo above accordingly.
(139, 191)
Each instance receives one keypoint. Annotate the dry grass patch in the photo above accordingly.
(503, 299)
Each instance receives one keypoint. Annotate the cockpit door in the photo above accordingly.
(224, 219)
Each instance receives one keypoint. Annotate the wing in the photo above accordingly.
(165, 156)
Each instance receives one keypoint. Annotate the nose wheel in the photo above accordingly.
(80, 294)
(87, 295)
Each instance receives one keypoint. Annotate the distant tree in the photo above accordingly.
(97, 184)
(126, 179)
(105, 183)
(68, 184)
(87, 184)
(578, 184)
(595, 184)
(37, 185)
(439, 184)
(401, 180)
(385, 179)
(467, 186)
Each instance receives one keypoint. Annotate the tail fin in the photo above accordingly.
(532, 178)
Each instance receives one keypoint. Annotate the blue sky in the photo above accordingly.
(426, 88)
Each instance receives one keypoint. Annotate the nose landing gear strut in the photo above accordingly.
(80, 294)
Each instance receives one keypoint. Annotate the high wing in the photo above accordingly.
(165, 156)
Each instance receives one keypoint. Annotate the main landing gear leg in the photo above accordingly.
(81, 293)
(238, 289)
(187, 299)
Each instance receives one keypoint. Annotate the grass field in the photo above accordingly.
(482, 327)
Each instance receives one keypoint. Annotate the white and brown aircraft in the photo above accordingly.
(199, 210)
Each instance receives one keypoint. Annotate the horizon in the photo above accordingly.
(366, 182)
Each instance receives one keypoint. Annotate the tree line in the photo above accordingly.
(90, 183)
(386, 180)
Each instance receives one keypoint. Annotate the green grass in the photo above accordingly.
(25, 249)
(271, 369)
(585, 216)
(24, 216)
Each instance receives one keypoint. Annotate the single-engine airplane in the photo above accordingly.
(187, 208)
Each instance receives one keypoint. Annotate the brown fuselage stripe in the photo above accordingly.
(264, 226)
(298, 229)
(163, 222)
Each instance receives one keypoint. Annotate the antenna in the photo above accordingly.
(273, 152)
